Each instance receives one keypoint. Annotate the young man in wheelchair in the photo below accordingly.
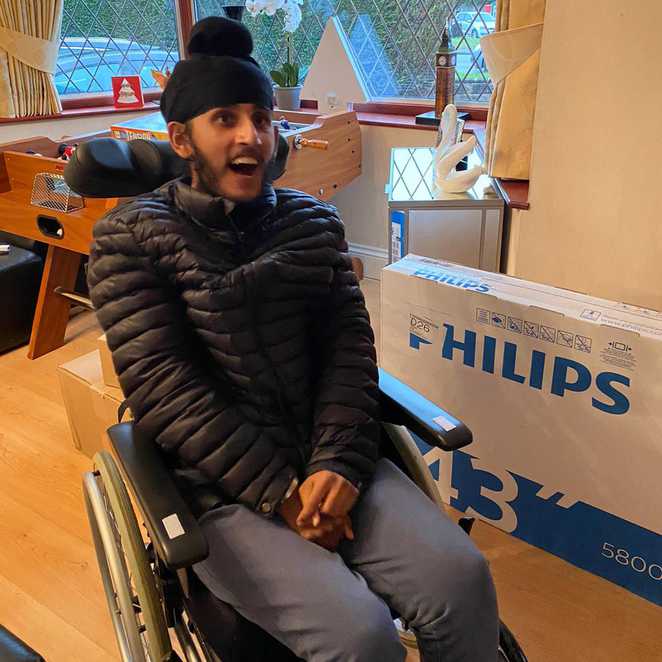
(244, 349)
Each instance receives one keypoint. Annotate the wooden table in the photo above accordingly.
(320, 172)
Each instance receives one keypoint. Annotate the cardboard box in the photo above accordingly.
(91, 405)
(563, 394)
(146, 127)
(107, 368)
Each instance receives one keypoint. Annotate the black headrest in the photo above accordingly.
(112, 168)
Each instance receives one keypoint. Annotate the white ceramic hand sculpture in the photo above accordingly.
(449, 154)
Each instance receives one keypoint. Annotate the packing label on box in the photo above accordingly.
(563, 395)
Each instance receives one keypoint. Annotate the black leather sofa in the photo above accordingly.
(20, 275)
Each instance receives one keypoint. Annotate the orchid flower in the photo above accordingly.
(292, 9)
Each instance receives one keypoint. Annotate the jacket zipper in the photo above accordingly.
(285, 411)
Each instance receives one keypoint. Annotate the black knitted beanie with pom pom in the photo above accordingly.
(219, 72)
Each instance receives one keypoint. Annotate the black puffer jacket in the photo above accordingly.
(241, 341)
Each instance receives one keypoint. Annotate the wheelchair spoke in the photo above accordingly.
(132, 589)
(509, 649)
(112, 571)
(194, 649)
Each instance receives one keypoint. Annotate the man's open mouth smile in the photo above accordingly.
(244, 165)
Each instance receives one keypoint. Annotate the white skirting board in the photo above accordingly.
(374, 259)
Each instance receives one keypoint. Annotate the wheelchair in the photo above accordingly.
(153, 596)
(149, 585)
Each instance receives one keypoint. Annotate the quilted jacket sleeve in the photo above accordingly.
(346, 431)
(172, 397)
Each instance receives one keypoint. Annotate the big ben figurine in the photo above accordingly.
(444, 68)
(445, 60)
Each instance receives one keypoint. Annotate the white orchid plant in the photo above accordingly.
(288, 74)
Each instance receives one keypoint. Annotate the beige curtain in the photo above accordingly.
(512, 56)
(29, 42)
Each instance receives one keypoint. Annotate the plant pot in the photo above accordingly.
(288, 98)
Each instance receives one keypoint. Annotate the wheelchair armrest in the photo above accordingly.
(177, 537)
(401, 405)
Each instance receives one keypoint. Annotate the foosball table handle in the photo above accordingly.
(300, 141)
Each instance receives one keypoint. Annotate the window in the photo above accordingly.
(104, 38)
(393, 42)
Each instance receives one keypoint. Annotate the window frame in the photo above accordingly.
(373, 95)
(185, 18)
(184, 23)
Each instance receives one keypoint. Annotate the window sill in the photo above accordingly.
(515, 193)
(70, 113)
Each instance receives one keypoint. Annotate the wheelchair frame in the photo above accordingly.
(145, 580)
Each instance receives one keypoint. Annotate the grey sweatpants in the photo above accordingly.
(330, 607)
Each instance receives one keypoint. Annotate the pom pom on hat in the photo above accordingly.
(219, 36)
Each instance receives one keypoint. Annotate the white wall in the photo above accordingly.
(363, 204)
(56, 129)
(594, 222)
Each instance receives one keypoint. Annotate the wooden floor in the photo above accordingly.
(50, 592)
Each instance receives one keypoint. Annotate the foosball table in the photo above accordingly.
(36, 203)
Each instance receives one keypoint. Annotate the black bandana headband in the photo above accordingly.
(219, 72)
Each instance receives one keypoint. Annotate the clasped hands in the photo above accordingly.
(319, 510)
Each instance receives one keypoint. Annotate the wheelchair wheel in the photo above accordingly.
(509, 649)
(129, 583)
